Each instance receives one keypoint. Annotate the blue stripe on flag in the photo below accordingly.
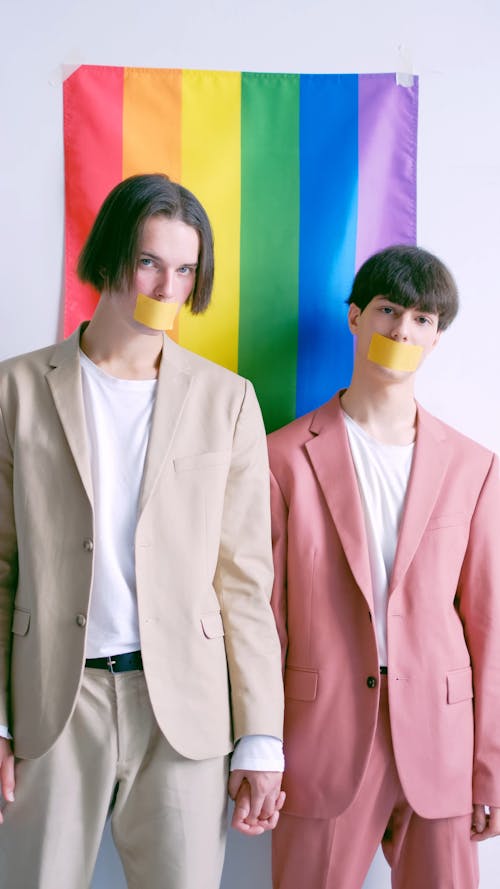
(328, 217)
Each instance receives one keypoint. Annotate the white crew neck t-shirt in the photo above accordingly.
(118, 415)
(383, 471)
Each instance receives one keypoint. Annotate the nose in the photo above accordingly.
(165, 285)
(400, 328)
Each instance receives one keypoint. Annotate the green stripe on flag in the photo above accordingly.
(269, 262)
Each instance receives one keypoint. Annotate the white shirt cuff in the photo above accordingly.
(4, 732)
(258, 753)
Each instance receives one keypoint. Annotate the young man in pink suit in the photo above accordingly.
(387, 598)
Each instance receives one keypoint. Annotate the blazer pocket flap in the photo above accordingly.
(212, 625)
(459, 685)
(301, 684)
(208, 460)
(21, 622)
(448, 520)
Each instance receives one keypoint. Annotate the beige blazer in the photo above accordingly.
(443, 620)
(202, 548)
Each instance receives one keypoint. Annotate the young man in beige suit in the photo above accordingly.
(136, 638)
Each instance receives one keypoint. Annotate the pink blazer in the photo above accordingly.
(443, 620)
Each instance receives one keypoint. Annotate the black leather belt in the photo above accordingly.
(116, 663)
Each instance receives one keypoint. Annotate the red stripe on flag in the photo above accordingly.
(93, 166)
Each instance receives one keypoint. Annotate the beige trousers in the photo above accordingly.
(168, 813)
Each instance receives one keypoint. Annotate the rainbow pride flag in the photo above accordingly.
(303, 177)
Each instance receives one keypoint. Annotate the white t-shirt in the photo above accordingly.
(382, 471)
(118, 415)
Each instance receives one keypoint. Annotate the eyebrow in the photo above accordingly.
(422, 311)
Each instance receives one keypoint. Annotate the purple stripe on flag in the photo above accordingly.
(387, 163)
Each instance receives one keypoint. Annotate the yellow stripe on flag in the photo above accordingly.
(211, 168)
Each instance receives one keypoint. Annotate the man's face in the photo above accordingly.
(166, 265)
(411, 326)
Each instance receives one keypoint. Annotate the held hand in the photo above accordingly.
(7, 781)
(485, 825)
(258, 800)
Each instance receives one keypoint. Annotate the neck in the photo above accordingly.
(386, 411)
(122, 351)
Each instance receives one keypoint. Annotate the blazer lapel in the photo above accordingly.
(330, 456)
(174, 383)
(64, 380)
(430, 461)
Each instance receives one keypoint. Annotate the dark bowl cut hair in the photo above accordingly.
(410, 277)
(110, 253)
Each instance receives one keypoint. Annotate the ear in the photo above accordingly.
(353, 318)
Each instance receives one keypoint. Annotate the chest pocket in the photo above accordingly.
(209, 460)
(448, 520)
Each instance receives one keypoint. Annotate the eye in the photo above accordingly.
(421, 319)
(386, 310)
(146, 262)
(185, 269)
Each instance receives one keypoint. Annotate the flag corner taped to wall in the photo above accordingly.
(303, 177)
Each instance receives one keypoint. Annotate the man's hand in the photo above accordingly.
(257, 800)
(485, 825)
(7, 781)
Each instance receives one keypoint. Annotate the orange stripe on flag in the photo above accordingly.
(152, 125)
(152, 122)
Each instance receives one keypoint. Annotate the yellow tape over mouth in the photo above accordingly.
(155, 314)
(394, 355)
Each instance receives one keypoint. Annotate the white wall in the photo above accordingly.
(451, 44)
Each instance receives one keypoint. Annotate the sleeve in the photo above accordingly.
(8, 564)
(243, 581)
(279, 524)
(258, 753)
(479, 607)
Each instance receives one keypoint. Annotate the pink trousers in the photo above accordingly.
(315, 853)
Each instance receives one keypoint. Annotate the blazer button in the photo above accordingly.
(371, 682)
(81, 620)
(88, 545)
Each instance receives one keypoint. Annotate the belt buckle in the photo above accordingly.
(111, 663)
